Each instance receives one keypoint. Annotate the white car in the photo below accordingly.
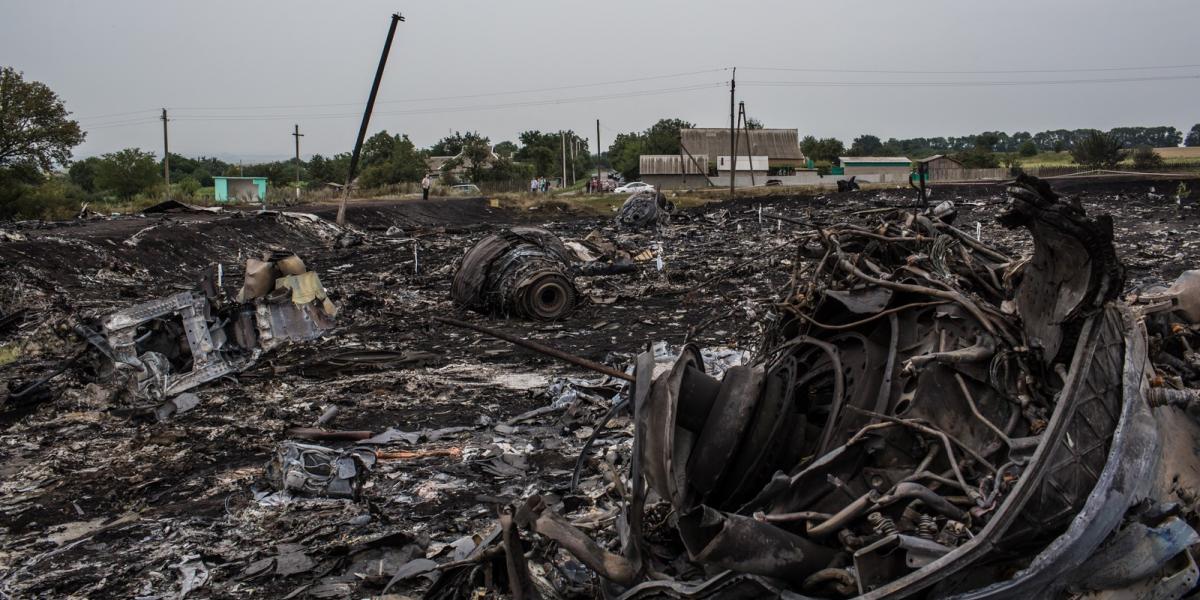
(633, 187)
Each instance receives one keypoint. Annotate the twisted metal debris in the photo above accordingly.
(522, 272)
(645, 209)
(930, 418)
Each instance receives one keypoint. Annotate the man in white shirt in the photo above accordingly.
(425, 183)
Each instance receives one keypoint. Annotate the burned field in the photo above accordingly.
(817, 397)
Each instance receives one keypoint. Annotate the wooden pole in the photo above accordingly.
(166, 155)
(366, 120)
(749, 147)
(297, 135)
(598, 152)
(732, 136)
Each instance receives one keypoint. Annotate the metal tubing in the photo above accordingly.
(540, 348)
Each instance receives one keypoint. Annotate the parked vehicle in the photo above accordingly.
(465, 189)
(634, 187)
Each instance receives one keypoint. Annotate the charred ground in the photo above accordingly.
(99, 504)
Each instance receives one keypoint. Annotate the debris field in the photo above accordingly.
(820, 396)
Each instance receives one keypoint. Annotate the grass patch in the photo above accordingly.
(1048, 159)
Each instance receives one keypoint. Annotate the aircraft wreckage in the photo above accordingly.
(924, 416)
(928, 418)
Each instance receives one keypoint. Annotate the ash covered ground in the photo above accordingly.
(96, 501)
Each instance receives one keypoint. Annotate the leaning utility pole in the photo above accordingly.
(733, 136)
(296, 134)
(564, 157)
(166, 155)
(362, 130)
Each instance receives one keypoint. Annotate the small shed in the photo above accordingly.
(672, 171)
(941, 162)
(240, 189)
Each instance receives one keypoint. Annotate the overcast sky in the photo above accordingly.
(236, 75)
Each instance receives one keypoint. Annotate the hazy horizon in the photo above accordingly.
(237, 76)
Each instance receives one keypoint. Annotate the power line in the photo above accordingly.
(454, 109)
(123, 124)
(461, 97)
(971, 72)
(964, 83)
(120, 114)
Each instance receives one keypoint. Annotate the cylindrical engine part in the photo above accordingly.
(522, 273)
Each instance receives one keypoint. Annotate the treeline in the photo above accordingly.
(133, 175)
(1056, 140)
(993, 148)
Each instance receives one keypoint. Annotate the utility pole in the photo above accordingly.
(574, 150)
(732, 136)
(296, 134)
(362, 129)
(563, 134)
(597, 152)
(166, 155)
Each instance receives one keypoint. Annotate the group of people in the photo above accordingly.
(539, 185)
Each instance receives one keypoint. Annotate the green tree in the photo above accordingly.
(1144, 157)
(53, 198)
(378, 148)
(865, 145)
(505, 149)
(1028, 148)
(83, 173)
(451, 145)
(188, 186)
(1098, 150)
(752, 123)
(404, 164)
(624, 155)
(1193, 136)
(477, 154)
(127, 172)
(34, 127)
(987, 140)
(663, 136)
(540, 150)
(822, 150)
(329, 170)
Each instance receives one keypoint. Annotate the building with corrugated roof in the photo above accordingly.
(780, 146)
(875, 165)
(672, 171)
(941, 161)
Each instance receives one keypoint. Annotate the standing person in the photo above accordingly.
(425, 183)
(533, 185)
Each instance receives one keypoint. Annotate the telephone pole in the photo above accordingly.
(563, 134)
(597, 152)
(296, 134)
(732, 136)
(166, 155)
(362, 129)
